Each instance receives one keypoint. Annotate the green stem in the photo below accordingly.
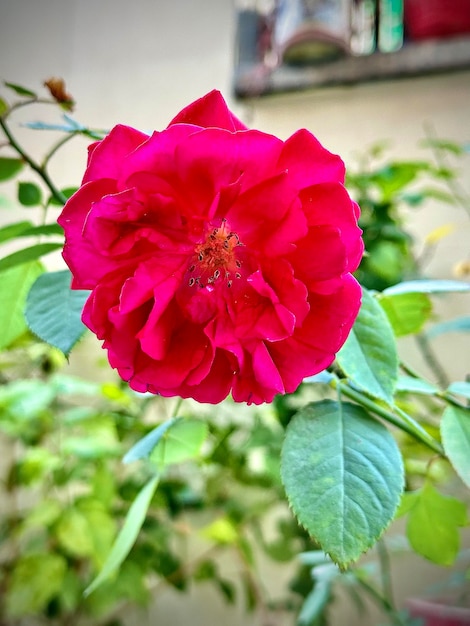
(431, 360)
(404, 422)
(24, 103)
(178, 406)
(385, 572)
(58, 195)
(409, 370)
(56, 147)
(383, 603)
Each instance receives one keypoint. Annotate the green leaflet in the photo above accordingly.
(128, 534)
(406, 312)
(433, 521)
(14, 286)
(455, 431)
(369, 357)
(343, 476)
(53, 310)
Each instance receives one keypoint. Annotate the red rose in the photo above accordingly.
(219, 258)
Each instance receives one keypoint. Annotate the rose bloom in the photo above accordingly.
(219, 258)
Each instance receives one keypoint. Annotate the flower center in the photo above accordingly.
(216, 258)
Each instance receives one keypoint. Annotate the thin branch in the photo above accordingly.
(383, 603)
(56, 147)
(385, 572)
(431, 359)
(58, 195)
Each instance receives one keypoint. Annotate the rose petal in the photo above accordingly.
(209, 111)
(212, 160)
(86, 263)
(329, 204)
(105, 157)
(268, 217)
(308, 162)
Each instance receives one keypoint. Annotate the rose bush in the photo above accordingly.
(219, 258)
(222, 255)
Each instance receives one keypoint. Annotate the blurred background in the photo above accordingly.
(139, 63)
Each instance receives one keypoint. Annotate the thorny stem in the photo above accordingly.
(58, 195)
(404, 422)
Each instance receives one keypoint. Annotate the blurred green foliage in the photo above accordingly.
(65, 493)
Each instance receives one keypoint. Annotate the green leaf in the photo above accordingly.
(132, 584)
(144, 447)
(14, 286)
(35, 580)
(28, 254)
(53, 310)
(43, 229)
(70, 597)
(45, 513)
(20, 90)
(460, 388)
(369, 357)
(73, 533)
(459, 324)
(3, 106)
(313, 558)
(455, 431)
(74, 385)
(28, 229)
(101, 529)
(444, 144)
(416, 385)
(128, 534)
(9, 167)
(343, 476)
(432, 527)
(66, 191)
(11, 231)
(221, 531)
(35, 464)
(24, 399)
(181, 442)
(63, 128)
(386, 259)
(100, 440)
(29, 194)
(103, 485)
(393, 177)
(316, 601)
(406, 312)
(427, 286)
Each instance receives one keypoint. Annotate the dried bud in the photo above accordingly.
(57, 90)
